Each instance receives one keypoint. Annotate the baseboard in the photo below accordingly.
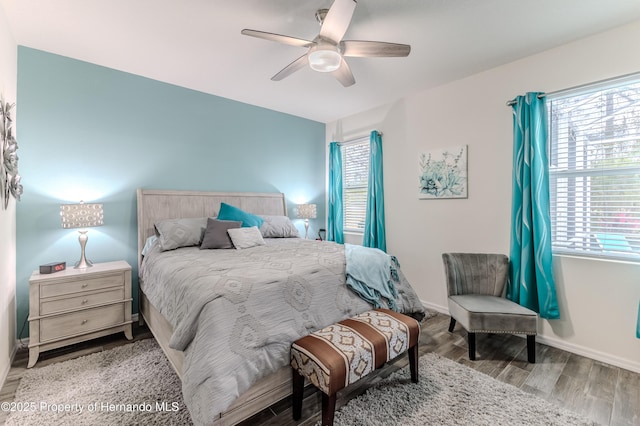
(434, 307)
(590, 353)
(4, 374)
(569, 347)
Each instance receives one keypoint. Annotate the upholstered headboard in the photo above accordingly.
(155, 205)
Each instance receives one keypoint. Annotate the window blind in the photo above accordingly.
(355, 169)
(594, 170)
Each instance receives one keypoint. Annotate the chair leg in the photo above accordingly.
(328, 409)
(413, 363)
(471, 338)
(531, 348)
(452, 324)
(298, 391)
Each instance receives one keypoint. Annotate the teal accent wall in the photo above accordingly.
(97, 134)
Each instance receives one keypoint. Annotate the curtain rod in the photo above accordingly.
(357, 139)
(593, 85)
(513, 101)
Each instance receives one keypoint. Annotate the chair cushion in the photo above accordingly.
(342, 353)
(491, 314)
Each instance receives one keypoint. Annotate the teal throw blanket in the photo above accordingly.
(370, 273)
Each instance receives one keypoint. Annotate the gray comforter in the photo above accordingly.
(235, 313)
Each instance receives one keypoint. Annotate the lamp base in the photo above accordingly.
(306, 229)
(83, 262)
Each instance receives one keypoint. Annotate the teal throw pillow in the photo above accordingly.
(229, 212)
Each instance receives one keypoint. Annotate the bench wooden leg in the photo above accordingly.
(471, 339)
(413, 363)
(531, 348)
(298, 393)
(328, 409)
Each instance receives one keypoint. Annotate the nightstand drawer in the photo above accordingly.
(52, 305)
(56, 289)
(81, 322)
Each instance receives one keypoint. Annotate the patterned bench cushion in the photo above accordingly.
(342, 353)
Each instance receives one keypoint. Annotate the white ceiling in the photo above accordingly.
(197, 43)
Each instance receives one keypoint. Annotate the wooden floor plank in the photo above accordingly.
(626, 403)
(569, 392)
(547, 370)
(513, 375)
(602, 381)
(599, 409)
(578, 367)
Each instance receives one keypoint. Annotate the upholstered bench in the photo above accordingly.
(345, 352)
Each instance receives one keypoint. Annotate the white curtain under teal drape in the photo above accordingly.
(374, 226)
(531, 276)
(335, 231)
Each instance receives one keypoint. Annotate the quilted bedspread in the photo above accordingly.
(235, 313)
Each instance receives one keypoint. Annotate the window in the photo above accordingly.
(355, 177)
(594, 170)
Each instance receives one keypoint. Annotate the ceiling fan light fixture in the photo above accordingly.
(324, 58)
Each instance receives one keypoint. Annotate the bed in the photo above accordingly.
(286, 259)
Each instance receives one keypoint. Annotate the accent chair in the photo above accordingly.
(476, 285)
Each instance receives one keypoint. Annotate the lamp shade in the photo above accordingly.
(307, 211)
(81, 215)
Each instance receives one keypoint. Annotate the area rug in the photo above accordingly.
(135, 385)
(449, 393)
(128, 385)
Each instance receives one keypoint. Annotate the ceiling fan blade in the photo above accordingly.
(344, 74)
(337, 21)
(357, 48)
(294, 66)
(278, 38)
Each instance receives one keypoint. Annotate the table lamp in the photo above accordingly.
(306, 212)
(81, 216)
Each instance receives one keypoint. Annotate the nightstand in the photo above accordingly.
(75, 305)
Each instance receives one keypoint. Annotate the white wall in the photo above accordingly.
(8, 83)
(598, 299)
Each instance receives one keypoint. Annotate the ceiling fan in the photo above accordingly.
(327, 51)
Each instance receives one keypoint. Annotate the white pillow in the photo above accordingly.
(148, 244)
(243, 238)
(278, 227)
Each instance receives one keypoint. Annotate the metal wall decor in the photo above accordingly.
(9, 177)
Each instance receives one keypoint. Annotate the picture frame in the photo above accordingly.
(442, 173)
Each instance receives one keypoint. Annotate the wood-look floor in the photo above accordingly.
(606, 394)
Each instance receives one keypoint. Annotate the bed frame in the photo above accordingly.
(156, 205)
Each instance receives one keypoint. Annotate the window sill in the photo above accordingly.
(626, 261)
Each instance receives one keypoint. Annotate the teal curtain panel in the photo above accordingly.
(374, 228)
(335, 230)
(531, 274)
(638, 325)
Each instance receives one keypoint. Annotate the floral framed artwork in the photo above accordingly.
(442, 173)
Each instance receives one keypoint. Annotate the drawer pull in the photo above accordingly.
(85, 301)
(85, 285)
(84, 321)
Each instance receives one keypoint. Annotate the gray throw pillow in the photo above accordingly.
(216, 237)
(176, 233)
